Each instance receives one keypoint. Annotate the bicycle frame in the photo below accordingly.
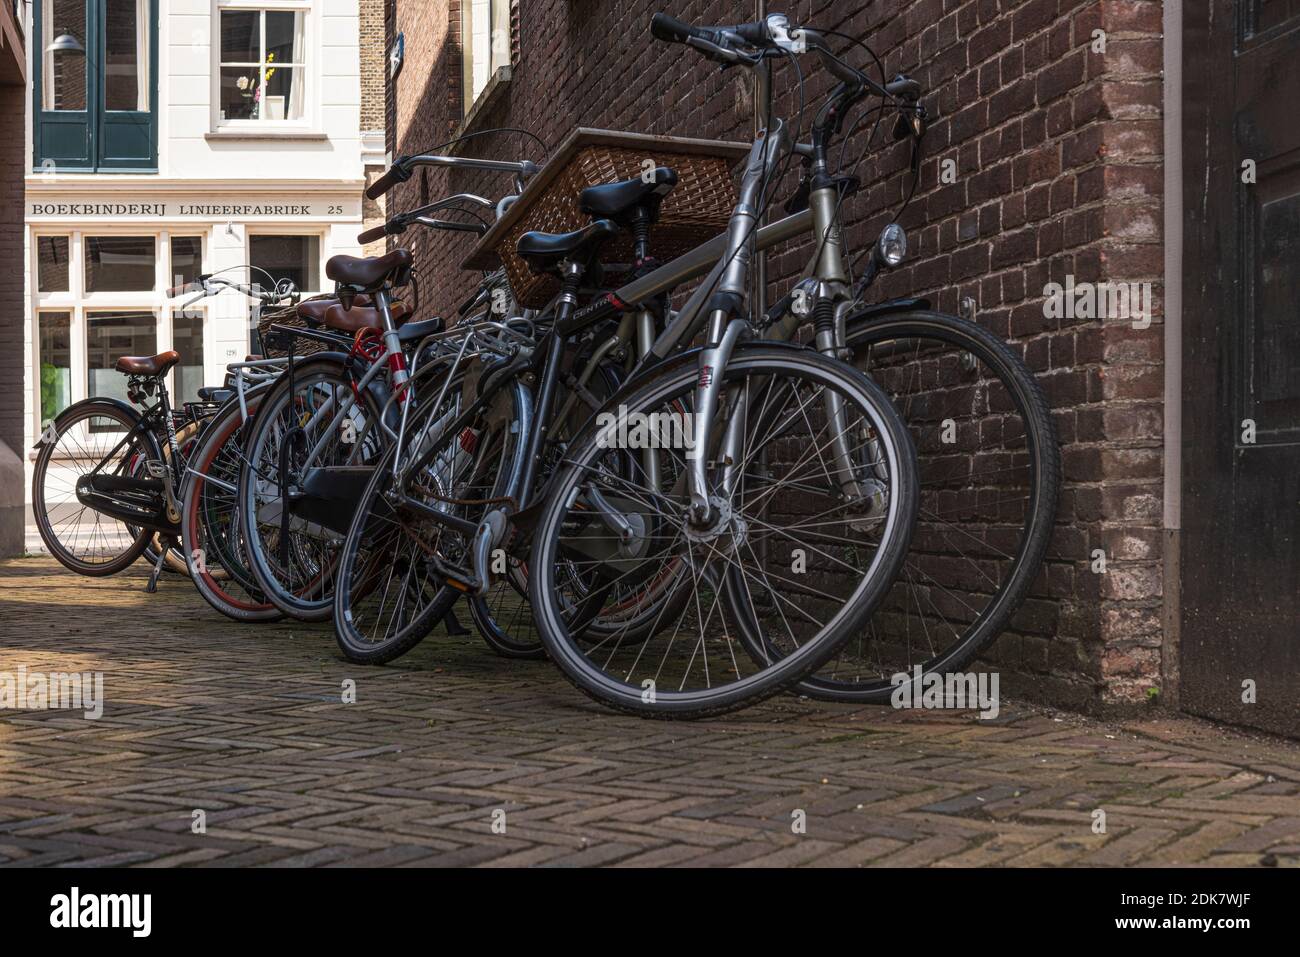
(723, 261)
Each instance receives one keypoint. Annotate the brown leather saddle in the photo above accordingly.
(148, 365)
(329, 312)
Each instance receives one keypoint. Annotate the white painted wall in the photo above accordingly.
(316, 163)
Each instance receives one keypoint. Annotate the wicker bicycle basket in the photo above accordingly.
(274, 345)
(697, 209)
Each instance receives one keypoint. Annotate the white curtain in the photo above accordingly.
(293, 108)
(47, 59)
(142, 54)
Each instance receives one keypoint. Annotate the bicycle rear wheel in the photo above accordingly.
(503, 618)
(767, 604)
(309, 448)
(396, 575)
(216, 558)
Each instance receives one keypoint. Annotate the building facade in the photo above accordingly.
(1072, 143)
(169, 138)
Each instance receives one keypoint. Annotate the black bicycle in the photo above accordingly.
(108, 477)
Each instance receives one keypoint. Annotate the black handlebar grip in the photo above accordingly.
(755, 33)
(670, 29)
(370, 235)
(396, 174)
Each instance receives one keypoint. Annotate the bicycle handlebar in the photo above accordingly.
(400, 171)
(204, 286)
(903, 86)
(399, 222)
(672, 30)
(767, 38)
(398, 225)
(395, 174)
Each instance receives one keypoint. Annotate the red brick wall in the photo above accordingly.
(13, 161)
(1057, 149)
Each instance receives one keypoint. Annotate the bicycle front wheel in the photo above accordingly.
(89, 438)
(808, 525)
(989, 468)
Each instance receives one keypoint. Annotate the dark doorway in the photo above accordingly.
(1241, 337)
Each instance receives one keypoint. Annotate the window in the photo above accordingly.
(119, 263)
(296, 258)
(95, 84)
(111, 335)
(484, 44)
(262, 70)
(54, 340)
(64, 87)
(187, 339)
(112, 301)
(52, 263)
(126, 55)
(187, 259)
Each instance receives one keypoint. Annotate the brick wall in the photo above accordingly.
(374, 65)
(374, 102)
(13, 161)
(1057, 151)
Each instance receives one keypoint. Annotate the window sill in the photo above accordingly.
(496, 86)
(43, 173)
(273, 134)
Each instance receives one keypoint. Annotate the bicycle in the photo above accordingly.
(991, 558)
(125, 467)
(332, 415)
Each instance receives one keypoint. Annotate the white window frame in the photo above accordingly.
(498, 50)
(308, 69)
(77, 303)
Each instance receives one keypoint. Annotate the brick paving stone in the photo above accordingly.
(247, 724)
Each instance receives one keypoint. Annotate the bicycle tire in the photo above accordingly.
(312, 597)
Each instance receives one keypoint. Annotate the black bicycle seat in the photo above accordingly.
(620, 201)
(544, 251)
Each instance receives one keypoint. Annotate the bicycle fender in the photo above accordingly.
(126, 408)
(887, 308)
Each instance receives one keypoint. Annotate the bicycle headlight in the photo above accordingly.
(891, 247)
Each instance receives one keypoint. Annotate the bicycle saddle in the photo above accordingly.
(620, 201)
(213, 393)
(148, 365)
(369, 273)
(545, 251)
(359, 317)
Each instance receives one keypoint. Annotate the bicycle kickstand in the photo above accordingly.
(157, 567)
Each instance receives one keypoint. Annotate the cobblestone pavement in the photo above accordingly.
(247, 724)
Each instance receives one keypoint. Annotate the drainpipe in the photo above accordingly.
(1173, 406)
(762, 97)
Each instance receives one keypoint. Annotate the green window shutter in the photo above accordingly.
(96, 110)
